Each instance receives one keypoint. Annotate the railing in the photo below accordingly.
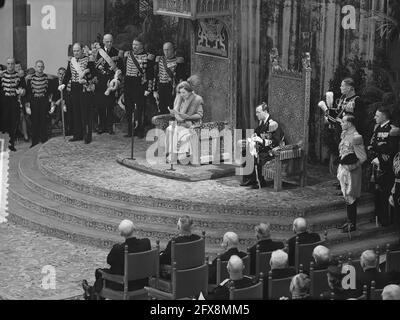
(193, 9)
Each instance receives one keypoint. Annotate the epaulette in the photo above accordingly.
(180, 60)
(357, 139)
(150, 56)
(273, 126)
(394, 132)
(158, 58)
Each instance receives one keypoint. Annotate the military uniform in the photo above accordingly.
(139, 77)
(272, 136)
(384, 142)
(168, 73)
(9, 83)
(105, 72)
(396, 191)
(81, 98)
(38, 95)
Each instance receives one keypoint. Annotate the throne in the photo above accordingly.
(289, 102)
(208, 142)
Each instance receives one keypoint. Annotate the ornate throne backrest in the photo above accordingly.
(289, 100)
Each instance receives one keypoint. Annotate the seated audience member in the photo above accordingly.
(265, 243)
(391, 292)
(279, 268)
(337, 292)
(300, 287)
(185, 235)
(305, 237)
(370, 273)
(236, 279)
(230, 244)
(116, 261)
(322, 258)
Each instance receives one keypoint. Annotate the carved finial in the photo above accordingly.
(307, 61)
(274, 58)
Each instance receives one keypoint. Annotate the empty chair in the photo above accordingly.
(254, 292)
(319, 283)
(364, 295)
(136, 266)
(262, 262)
(392, 260)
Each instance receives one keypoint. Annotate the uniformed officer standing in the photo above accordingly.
(382, 150)
(38, 95)
(169, 71)
(12, 87)
(108, 61)
(80, 71)
(139, 77)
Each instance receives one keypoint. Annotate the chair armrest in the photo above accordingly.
(291, 151)
(162, 121)
(159, 294)
(112, 277)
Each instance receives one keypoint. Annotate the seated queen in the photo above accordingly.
(188, 113)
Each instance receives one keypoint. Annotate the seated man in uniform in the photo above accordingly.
(236, 279)
(267, 136)
(185, 235)
(116, 261)
(230, 244)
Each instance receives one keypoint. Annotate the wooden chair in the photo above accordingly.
(262, 261)
(364, 295)
(254, 292)
(137, 266)
(188, 283)
(222, 272)
(303, 252)
(375, 294)
(292, 112)
(392, 260)
(319, 281)
(278, 288)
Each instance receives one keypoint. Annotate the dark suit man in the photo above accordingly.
(305, 237)
(236, 279)
(185, 235)
(337, 292)
(267, 136)
(322, 258)
(279, 268)
(230, 243)
(265, 243)
(116, 261)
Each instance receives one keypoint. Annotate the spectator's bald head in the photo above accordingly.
(185, 224)
(391, 292)
(321, 254)
(235, 268)
(299, 225)
(230, 240)
(263, 231)
(126, 228)
(279, 260)
(368, 260)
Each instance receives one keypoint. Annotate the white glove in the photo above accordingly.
(375, 161)
(391, 200)
(61, 87)
(28, 110)
(65, 108)
(258, 139)
(156, 95)
(53, 107)
(146, 93)
(268, 143)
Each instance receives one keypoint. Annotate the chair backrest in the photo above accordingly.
(141, 265)
(303, 253)
(375, 294)
(278, 288)
(188, 255)
(364, 295)
(291, 111)
(189, 282)
(392, 260)
(262, 261)
(356, 264)
(255, 292)
(222, 272)
(319, 281)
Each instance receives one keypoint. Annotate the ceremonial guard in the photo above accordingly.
(382, 150)
(139, 77)
(348, 104)
(67, 106)
(394, 199)
(108, 61)
(80, 71)
(267, 136)
(12, 87)
(351, 157)
(169, 71)
(38, 96)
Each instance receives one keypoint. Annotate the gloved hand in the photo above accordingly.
(61, 87)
